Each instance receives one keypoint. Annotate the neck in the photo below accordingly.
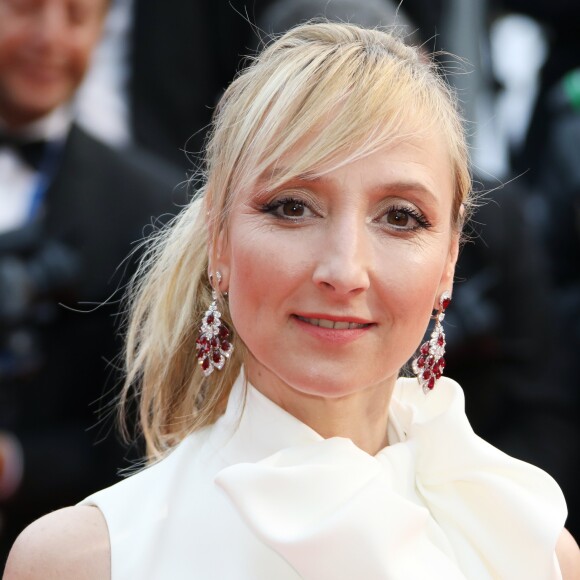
(361, 416)
(54, 125)
(13, 121)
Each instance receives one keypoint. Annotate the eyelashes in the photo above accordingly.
(288, 208)
(398, 216)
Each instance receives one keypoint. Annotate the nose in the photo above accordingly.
(344, 258)
(52, 23)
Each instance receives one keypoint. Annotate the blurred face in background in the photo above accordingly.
(45, 47)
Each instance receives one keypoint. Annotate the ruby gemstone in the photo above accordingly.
(202, 345)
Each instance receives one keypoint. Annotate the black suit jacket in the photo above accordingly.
(183, 55)
(99, 204)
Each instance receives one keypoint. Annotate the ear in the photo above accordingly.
(220, 260)
(446, 282)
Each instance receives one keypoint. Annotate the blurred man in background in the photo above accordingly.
(71, 209)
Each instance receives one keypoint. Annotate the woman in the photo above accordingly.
(282, 443)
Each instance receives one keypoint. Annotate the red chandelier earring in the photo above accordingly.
(213, 346)
(429, 365)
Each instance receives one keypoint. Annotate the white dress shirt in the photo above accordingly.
(19, 182)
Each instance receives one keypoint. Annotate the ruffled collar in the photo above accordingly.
(438, 502)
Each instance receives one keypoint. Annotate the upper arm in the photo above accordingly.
(568, 556)
(72, 543)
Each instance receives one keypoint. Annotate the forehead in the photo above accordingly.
(301, 143)
(414, 157)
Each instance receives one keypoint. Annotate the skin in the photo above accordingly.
(69, 544)
(568, 555)
(347, 256)
(45, 47)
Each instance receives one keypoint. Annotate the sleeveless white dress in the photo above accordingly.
(261, 496)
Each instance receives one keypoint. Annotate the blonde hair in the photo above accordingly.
(323, 94)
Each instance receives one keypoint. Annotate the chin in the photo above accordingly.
(324, 377)
(37, 99)
(332, 383)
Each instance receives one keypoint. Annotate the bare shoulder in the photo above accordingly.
(71, 543)
(568, 556)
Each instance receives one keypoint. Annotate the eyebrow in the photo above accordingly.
(274, 173)
(400, 187)
(391, 188)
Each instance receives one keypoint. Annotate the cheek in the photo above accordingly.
(81, 49)
(78, 57)
(262, 266)
(265, 272)
(10, 42)
(409, 279)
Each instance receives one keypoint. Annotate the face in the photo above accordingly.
(332, 280)
(45, 47)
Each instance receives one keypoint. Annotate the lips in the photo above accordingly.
(334, 324)
(43, 70)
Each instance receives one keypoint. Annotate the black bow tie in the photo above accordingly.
(31, 152)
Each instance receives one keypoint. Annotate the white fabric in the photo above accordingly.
(17, 185)
(260, 495)
(18, 181)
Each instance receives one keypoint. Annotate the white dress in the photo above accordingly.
(261, 496)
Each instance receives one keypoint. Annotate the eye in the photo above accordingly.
(78, 12)
(292, 209)
(404, 218)
(398, 218)
(23, 6)
(288, 208)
